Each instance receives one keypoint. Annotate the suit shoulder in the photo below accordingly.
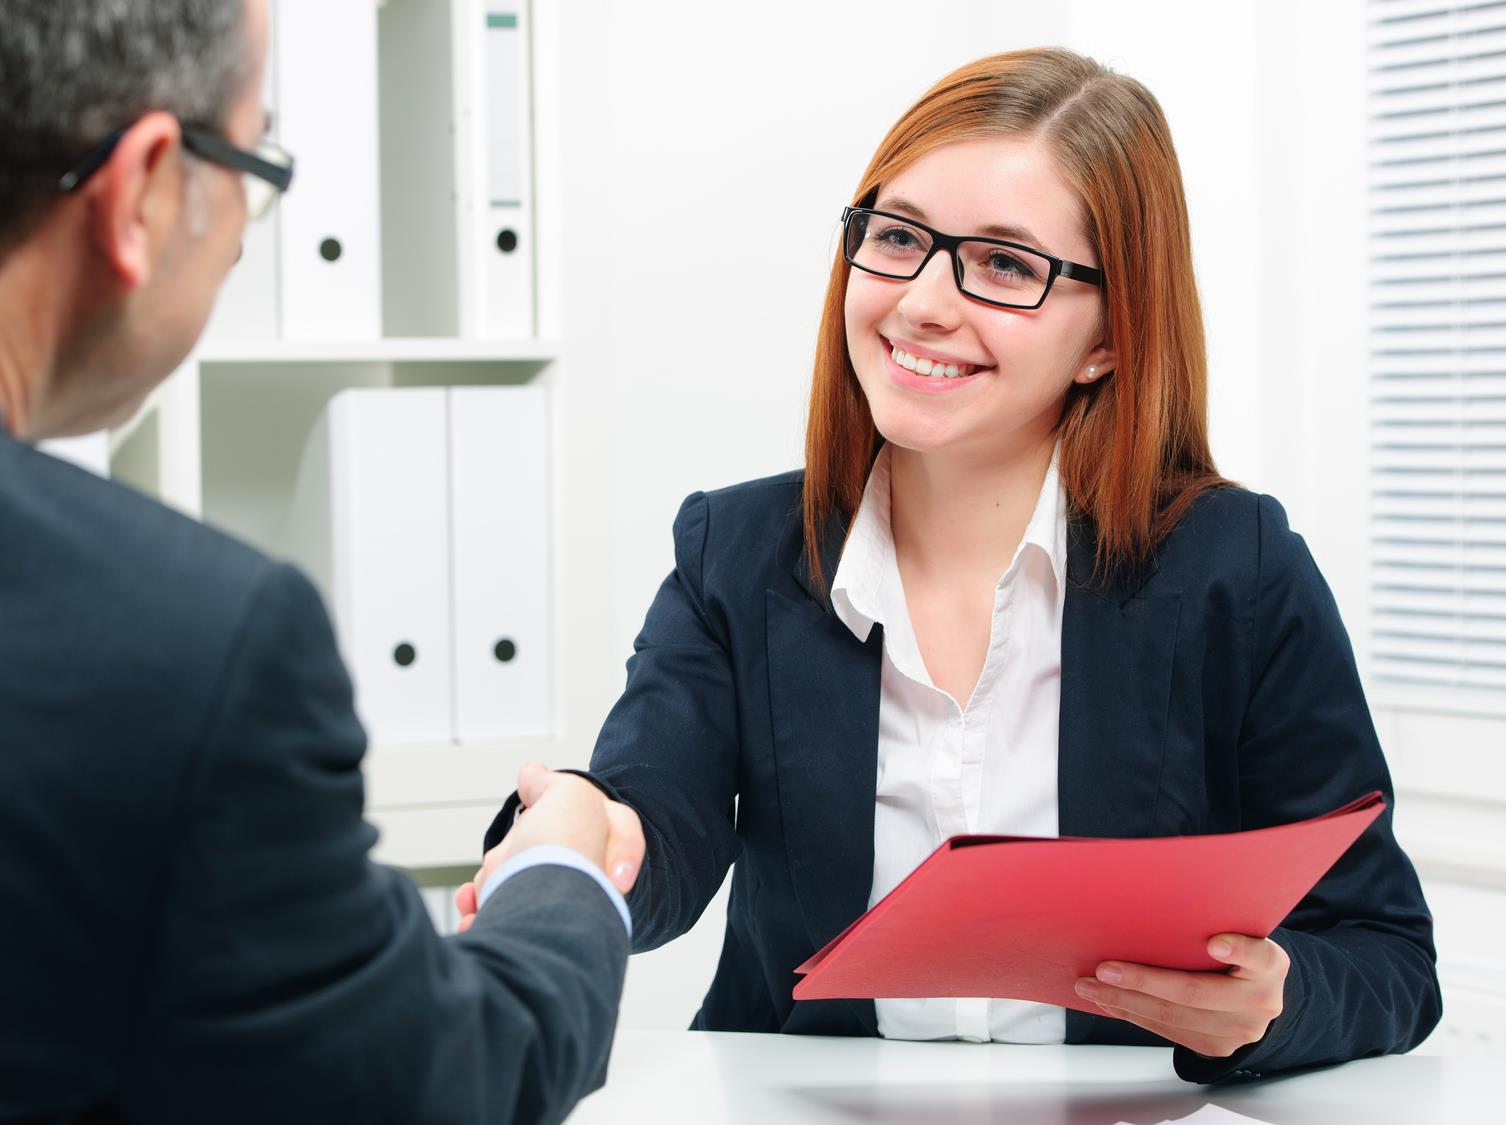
(1231, 510)
(739, 515)
(1233, 531)
(1223, 506)
(776, 493)
(730, 534)
(84, 541)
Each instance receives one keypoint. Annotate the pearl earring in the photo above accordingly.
(1092, 372)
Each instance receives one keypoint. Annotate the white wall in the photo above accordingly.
(1201, 63)
(685, 114)
(688, 374)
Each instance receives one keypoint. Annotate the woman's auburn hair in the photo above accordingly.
(1134, 444)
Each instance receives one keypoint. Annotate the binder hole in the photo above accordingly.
(330, 249)
(405, 654)
(507, 241)
(505, 650)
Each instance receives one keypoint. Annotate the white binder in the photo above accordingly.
(421, 235)
(328, 243)
(495, 169)
(370, 521)
(246, 307)
(499, 502)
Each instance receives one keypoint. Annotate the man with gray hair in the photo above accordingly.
(190, 926)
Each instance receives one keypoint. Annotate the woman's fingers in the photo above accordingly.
(1249, 958)
(1203, 991)
(1211, 1012)
(624, 858)
(1235, 1023)
(465, 906)
(465, 899)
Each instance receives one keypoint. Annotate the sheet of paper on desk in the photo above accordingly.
(1024, 918)
(1211, 1115)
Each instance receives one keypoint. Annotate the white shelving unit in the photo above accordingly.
(220, 440)
(413, 349)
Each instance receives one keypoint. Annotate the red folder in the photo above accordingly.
(1024, 917)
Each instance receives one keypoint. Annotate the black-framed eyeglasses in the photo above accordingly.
(1008, 275)
(266, 172)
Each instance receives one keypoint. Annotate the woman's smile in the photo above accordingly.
(921, 372)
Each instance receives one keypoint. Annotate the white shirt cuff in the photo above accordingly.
(559, 856)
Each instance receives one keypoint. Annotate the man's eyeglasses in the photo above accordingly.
(1007, 275)
(266, 172)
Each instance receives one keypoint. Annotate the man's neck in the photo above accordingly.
(13, 382)
(33, 313)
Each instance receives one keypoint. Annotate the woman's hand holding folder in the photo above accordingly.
(1212, 1013)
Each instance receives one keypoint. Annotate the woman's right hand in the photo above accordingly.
(572, 812)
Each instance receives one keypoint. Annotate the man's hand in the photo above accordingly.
(566, 810)
(1213, 1013)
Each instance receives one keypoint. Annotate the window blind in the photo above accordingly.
(1437, 198)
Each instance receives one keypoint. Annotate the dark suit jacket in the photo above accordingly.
(1215, 693)
(190, 928)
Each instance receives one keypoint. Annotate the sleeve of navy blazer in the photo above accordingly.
(1362, 979)
(669, 748)
(298, 981)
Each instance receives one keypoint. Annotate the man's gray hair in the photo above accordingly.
(71, 71)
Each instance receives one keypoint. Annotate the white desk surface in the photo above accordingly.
(711, 1077)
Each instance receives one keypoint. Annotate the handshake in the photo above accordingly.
(568, 811)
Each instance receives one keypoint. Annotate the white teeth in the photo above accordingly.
(934, 368)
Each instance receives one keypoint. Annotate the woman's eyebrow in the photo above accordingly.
(1008, 233)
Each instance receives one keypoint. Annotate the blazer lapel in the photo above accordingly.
(1118, 644)
(824, 696)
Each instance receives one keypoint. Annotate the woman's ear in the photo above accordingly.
(1098, 364)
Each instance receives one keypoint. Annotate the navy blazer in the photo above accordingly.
(190, 926)
(1216, 692)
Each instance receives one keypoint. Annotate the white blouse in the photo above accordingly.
(945, 769)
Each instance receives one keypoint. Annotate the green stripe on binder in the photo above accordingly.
(501, 19)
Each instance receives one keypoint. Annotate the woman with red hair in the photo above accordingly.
(1010, 594)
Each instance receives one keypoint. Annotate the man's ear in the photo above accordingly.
(135, 197)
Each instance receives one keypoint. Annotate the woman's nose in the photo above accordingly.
(932, 299)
